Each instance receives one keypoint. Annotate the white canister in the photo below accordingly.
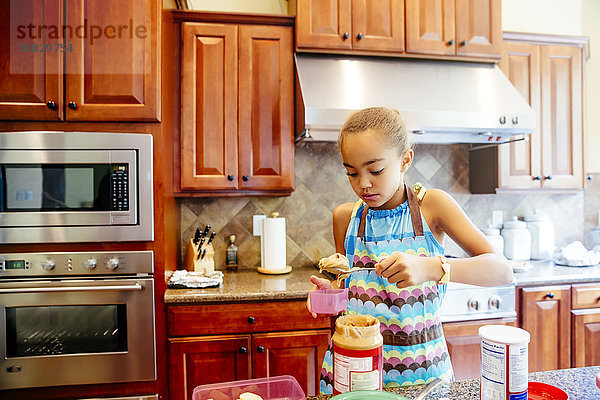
(504, 362)
(542, 235)
(496, 240)
(517, 240)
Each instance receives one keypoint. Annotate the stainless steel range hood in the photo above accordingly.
(441, 101)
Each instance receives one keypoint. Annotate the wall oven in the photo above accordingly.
(76, 318)
(75, 187)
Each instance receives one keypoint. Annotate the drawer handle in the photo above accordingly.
(243, 350)
(550, 295)
(260, 349)
(251, 320)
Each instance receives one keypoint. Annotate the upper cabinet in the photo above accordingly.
(81, 61)
(371, 25)
(454, 27)
(236, 109)
(468, 29)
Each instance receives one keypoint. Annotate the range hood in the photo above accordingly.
(442, 102)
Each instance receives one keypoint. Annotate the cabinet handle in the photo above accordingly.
(345, 36)
(359, 36)
(463, 43)
(251, 320)
(549, 177)
(260, 349)
(51, 105)
(72, 105)
(536, 178)
(550, 295)
(229, 177)
(450, 42)
(243, 350)
(245, 178)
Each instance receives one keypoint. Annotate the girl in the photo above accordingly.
(401, 233)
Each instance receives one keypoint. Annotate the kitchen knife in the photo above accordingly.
(197, 236)
(206, 230)
(212, 236)
(203, 254)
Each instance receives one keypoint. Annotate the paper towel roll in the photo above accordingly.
(273, 244)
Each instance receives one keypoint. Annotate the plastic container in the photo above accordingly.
(496, 240)
(517, 240)
(328, 301)
(504, 362)
(357, 354)
(276, 387)
(542, 235)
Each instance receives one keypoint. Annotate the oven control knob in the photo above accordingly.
(90, 264)
(495, 302)
(48, 265)
(112, 264)
(473, 303)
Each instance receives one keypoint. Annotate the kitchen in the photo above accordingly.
(179, 211)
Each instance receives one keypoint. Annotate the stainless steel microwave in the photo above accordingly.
(67, 187)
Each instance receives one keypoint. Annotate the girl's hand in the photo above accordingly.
(408, 270)
(318, 284)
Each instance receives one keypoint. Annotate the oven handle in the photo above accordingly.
(137, 286)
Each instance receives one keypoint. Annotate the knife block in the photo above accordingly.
(204, 265)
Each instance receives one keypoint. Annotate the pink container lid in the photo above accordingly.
(283, 387)
(328, 301)
(598, 381)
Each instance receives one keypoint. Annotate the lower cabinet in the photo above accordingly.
(585, 320)
(226, 342)
(464, 345)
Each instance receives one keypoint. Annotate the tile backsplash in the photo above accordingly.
(321, 184)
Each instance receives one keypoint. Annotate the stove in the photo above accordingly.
(468, 302)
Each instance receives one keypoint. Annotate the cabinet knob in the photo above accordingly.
(345, 36)
(550, 295)
(245, 178)
(251, 320)
(51, 105)
(450, 42)
(243, 350)
(515, 120)
(589, 177)
(536, 178)
(359, 36)
(502, 120)
(549, 177)
(260, 349)
(229, 177)
(463, 43)
(72, 105)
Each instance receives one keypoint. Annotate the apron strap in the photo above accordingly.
(415, 214)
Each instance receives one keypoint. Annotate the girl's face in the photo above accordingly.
(375, 170)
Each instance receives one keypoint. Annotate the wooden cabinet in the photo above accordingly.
(545, 314)
(464, 345)
(454, 27)
(243, 341)
(236, 109)
(363, 25)
(550, 78)
(585, 319)
(102, 66)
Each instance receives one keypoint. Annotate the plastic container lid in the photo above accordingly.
(276, 387)
(504, 334)
(514, 224)
(544, 391)
(536, 215)
(491, 231)
(598, 381)
(328, 301)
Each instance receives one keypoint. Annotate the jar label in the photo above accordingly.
(357, 369)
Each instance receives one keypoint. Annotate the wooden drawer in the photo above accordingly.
(586, 295)
(213, 319)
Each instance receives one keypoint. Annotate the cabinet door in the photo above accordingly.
(478, 28)
(586, 338)
(562, 162)
(209, 148)
(200, 360)
(323, 24)
(430, 27)
(266, 113)
(378, 25)
(113, 71)
(464, 346)
(298, 353)
(30, 75)
(545, 314)
(519, 162)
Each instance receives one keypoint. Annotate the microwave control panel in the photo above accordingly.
(119, 187)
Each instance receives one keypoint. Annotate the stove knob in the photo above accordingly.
(473, 304)
(494, 302)
(48, 265)
(90, 264)
(113, 263)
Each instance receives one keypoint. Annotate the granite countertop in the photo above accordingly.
(250, 285)
(578, 383)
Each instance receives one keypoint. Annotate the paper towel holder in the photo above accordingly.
(269, 271)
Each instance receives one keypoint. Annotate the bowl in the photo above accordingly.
(328, 301)
(284, 387)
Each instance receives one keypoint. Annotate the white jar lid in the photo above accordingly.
(504, 334)
(536, 215)
(490, 231)
(514, 223)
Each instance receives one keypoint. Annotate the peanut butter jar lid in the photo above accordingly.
(357, 326)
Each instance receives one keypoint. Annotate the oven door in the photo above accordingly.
(70, 332)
